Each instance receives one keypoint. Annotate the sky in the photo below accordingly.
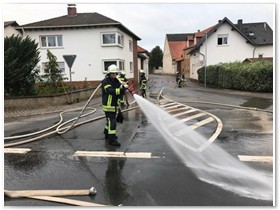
(149, 21)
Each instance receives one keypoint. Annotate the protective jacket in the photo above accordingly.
(111, 91)
(143, 82)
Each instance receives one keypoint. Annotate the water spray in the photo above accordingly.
(212, 164)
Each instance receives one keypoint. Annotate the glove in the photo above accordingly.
(120, 117)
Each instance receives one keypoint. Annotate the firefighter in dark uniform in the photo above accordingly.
(143, 83)
(112, 89)
(123, 97)
(178, 79)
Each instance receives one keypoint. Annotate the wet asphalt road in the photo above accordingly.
(162, 181)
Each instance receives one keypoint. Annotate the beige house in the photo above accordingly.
(9, 28)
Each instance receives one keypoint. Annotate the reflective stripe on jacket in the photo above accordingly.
(143, 82)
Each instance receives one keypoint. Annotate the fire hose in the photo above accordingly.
(58, 126)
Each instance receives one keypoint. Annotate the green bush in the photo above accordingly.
(256, 76)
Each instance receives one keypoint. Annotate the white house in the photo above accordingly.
(9, 28)
(96, 40)
(228, 42)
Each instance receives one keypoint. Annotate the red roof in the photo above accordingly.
(202, 33)
(176, 49)
(141, 50)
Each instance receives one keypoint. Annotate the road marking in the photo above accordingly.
(16, 150)
(114, 154)
(267, 159)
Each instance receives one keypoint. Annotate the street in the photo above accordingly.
(159, 179)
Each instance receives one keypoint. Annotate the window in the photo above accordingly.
(112, 39)
(119, 63)
(222, 39)
(51, 41)
(131, 67)
(130, 46)
(61, 66)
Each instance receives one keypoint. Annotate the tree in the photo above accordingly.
(52, 71)
(21, 56)
(53, 79)
(155, 60)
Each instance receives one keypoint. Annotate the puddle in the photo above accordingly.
(260, 103)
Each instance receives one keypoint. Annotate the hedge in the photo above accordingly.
(256, 76)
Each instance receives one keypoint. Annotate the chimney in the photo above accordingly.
(198, 31)
(240, 22)
(71, 9)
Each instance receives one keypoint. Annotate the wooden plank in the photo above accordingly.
(201, 123)
(114, 154)
(24, 193)
(65, 201)
(267, 159)
(16, 150)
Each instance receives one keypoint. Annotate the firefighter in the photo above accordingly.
(178, 79)
(112, 89)
(123, 79)
(143, 83)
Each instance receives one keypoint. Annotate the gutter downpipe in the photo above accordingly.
(254, 51)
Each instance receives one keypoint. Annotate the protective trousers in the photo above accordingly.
(111, 125)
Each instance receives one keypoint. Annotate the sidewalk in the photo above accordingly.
(48, 110)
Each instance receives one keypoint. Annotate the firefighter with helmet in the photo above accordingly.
(123, 97)
(179, 79)
(143, 83)
(112, 89)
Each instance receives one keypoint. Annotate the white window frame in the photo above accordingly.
(118, 62)
(119, 39)
(224, 40)
(47, 42)
(61, 66)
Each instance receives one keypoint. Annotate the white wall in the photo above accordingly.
(236, 50)
(167, 67)
(10, 30)
(86, 44)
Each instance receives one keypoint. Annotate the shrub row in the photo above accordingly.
(256, 76)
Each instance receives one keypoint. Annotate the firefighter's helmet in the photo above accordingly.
(142, 71)
(113, 69)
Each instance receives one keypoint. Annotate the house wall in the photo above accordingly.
(236, 50)
(10, 30)
(167, 67)
(86, 44)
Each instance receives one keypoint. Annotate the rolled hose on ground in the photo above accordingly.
(59, 129)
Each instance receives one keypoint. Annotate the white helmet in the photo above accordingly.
(142, 71)
(113, 69)
(123, 72)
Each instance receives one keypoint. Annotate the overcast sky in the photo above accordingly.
(151, 22)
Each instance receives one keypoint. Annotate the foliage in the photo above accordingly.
(155, 60)
(21, 55)
(53, 79)
(256, 76)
